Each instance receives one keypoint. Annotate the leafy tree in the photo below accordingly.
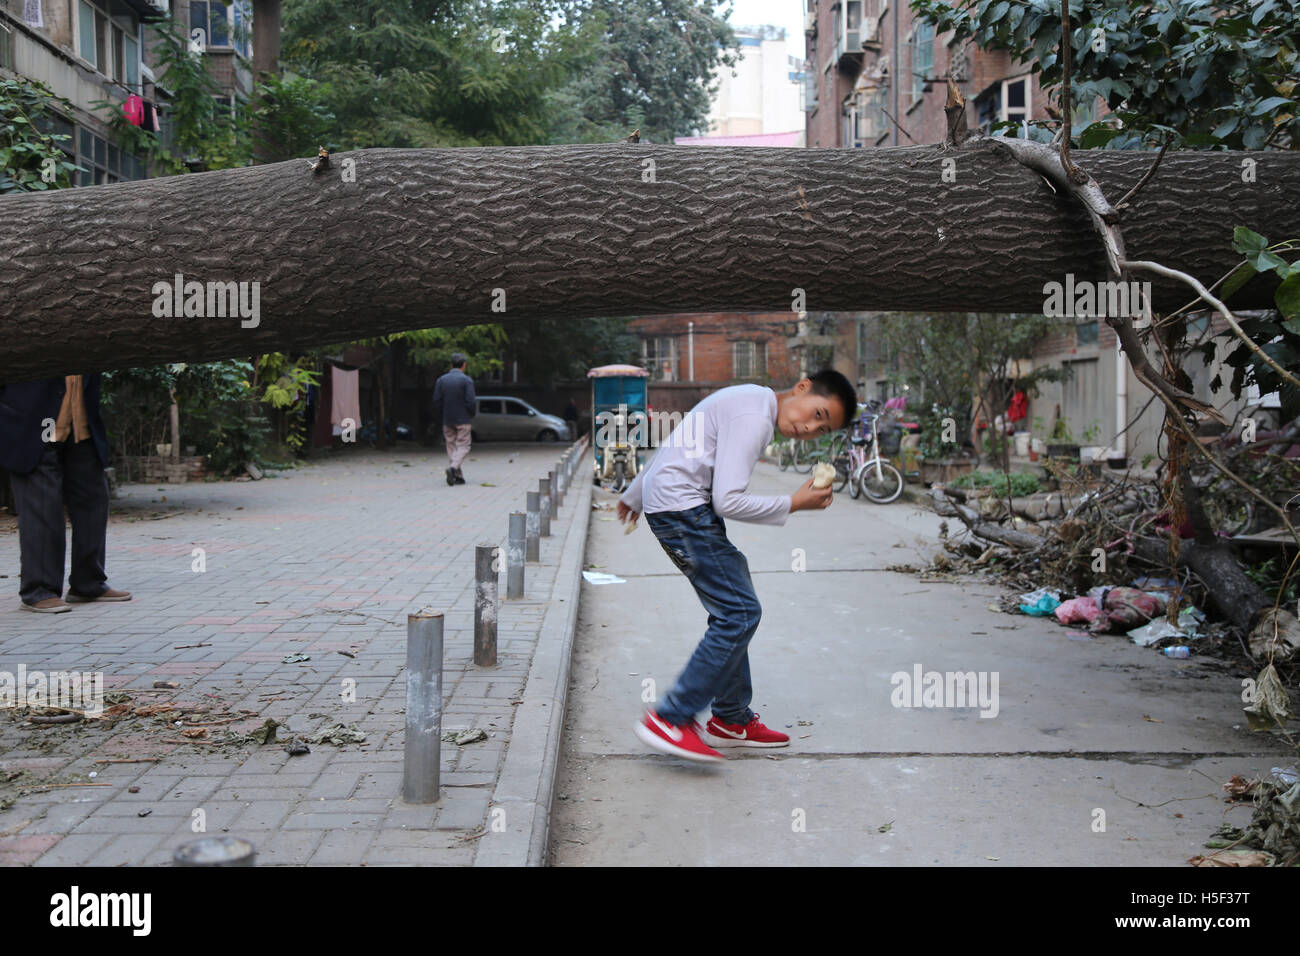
(204, 136)
(950, 357)
(554, 350)
(653, 70)
(30, 157)
(290, 116)
(429, 73)
(1200, 73)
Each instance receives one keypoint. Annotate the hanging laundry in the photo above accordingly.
(32, 13)
(134, 110)
(150, 117)
(1019, 407)
(345, 402)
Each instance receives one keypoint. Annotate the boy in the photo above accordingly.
(689, 486)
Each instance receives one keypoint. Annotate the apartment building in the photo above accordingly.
(92, 51)
(85, 51)
(761, 93)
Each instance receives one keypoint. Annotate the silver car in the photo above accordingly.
(502, 418)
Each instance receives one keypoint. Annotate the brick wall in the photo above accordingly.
(714, 338)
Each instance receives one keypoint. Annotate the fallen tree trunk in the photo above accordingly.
(385, 240)
(988, 530)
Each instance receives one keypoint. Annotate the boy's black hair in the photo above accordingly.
(829, 382)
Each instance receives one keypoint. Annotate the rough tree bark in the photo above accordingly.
(423, 238)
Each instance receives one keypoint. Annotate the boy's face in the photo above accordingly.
(806, 415)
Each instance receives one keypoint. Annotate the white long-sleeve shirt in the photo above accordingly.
(709, 458)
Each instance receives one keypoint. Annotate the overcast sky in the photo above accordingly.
(781, 13)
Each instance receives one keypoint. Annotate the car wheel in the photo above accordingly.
(548, 436)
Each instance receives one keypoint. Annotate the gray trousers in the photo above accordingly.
(457, 438)
(69, 473)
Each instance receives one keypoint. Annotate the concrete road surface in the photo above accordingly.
(1084, 752)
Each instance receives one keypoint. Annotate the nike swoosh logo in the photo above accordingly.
(723, 732)
(672, 733)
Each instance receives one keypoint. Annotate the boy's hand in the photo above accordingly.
(624, 512)
(809, 498)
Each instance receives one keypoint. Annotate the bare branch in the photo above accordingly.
(1128, 196)
(1222, 309)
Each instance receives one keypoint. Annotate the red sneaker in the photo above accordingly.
(680, 740)
(752, 734)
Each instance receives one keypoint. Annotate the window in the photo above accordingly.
(212, 18)
(749, 359)
(922, 44)
(6, 50)
(515, 408)
(1085, 333)
(131, 63)
(243, 28)
(102, 162)
(809, 86)
(224, 26)
(91, 26)
(659, 356)
(853, 26)
(1006, 101)
(489, 406)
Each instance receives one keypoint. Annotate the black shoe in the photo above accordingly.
(460, 479)
(451, 477)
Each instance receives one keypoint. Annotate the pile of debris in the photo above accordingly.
(1107, 557)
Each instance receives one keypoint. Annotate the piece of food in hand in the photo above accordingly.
(823, 475)
(629, 526)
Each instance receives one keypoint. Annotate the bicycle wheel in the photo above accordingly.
(855, 482)
(784, 455)
(881, 487)
(803, 458)
(842, 476)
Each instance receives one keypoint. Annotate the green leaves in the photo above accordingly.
(30, 158)
(1220, 73)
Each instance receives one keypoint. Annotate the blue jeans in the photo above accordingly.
(718, 672)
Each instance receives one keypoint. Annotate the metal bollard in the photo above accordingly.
(561, 482)
(532, 551)
(550, 475)
(423, 707)
(544, 500)
(515, 556)
(485, 604)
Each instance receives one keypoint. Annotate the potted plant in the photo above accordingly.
(1062, 443)
(940, 460)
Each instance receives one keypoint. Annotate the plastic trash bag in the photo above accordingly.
(1078, 611)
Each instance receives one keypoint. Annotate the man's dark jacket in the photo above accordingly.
(453, 398)
(23, 407)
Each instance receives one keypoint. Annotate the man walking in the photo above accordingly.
(453, 404)
(55, 448)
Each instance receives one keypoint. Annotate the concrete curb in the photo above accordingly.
(526, 784)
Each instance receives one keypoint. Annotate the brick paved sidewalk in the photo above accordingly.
(330, 557)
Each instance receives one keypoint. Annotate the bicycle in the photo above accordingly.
(874, 477)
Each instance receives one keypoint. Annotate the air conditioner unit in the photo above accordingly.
(162, 6)
(810, 22)
(870, 28)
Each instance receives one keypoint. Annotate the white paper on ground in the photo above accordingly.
(599, 577)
